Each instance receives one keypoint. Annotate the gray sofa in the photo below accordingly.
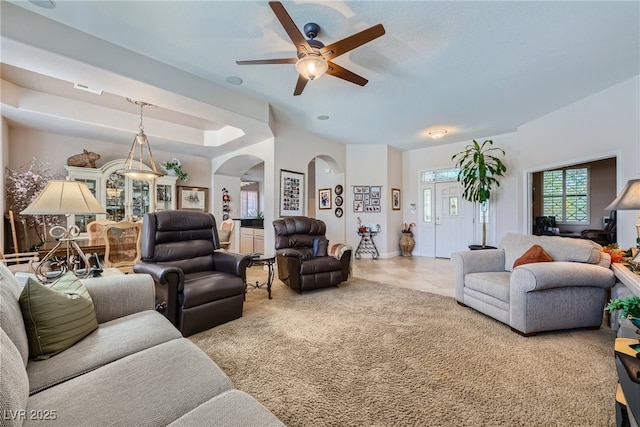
(567, 293)
(135, 369)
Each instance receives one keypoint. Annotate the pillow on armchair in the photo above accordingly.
(534, 254)
(224, 235)
(320, 245)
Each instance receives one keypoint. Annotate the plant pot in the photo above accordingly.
(480, 247)
(407, 243)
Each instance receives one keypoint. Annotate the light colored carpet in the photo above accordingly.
(369, 354)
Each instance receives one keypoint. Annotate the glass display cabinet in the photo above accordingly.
(123, 198)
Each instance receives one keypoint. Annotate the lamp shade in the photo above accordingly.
(629, 197)
(63, 198)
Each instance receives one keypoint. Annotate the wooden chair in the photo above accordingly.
(21, 261)
(226, 233)
(122, 245)
(96, 230)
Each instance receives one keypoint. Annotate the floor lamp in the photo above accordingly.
(64, 198)
(628, 199)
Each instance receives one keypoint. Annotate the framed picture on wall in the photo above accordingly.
(376, 192)
(291, 193)
(324, 198)
(193, 198)
(395, 199)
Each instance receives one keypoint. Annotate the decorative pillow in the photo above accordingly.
(57, 316)
(320, 245)
(224, 235)
(534, 254)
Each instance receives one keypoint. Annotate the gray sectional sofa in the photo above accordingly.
(135, 369)
(569, 292)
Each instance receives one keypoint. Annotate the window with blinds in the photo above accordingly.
(565, 195)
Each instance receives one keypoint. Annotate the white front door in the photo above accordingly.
(427, 227)
(454, 220)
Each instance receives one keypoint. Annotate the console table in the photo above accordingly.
(629, 278)
(367, 245)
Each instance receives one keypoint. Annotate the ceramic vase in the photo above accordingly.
(407, 243)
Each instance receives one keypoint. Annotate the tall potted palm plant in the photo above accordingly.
(480, 168)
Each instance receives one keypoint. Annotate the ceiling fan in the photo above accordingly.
(314, 58)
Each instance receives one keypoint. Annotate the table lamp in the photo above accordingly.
(628, 199)
(61, 197)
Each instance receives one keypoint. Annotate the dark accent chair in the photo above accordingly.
(197, 287)
(606, 236)
(301, 255)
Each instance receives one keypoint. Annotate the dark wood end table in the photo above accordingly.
(261, 259)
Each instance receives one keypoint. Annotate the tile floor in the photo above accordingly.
(426, 274)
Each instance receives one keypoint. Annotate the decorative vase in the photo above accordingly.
(407, 243)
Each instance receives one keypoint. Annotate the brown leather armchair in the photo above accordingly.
(302, 255)
(197, 287)
(606, 236)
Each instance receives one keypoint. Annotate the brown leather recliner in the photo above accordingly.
(197, 287)
(301, 255)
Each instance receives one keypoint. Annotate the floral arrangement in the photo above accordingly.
(23, 186)
(617, 254)
(408, 228)
(367, 228)
(176, 166)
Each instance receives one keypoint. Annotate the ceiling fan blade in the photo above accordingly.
(345, 45)
(302, 82)
(289, 26)
(268, 61)
(337, 71)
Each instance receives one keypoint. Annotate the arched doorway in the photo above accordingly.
(326, 176)
(240, 180)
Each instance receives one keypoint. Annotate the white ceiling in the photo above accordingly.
(477, 69)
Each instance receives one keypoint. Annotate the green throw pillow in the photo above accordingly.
(224, 235)
(57, 316)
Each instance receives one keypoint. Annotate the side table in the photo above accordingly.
(260, 259)
(630, 279)
(367, 245)
(628, 390)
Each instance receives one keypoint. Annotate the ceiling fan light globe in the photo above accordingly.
(311, 66)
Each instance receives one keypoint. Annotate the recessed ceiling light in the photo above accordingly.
(234, 80)
(323, 117)
(47, 4)
(437, 133)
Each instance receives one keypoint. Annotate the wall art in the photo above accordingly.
(193, 198)
(324, 198)
(292, 194)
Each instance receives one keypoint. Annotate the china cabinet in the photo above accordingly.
(123, 198)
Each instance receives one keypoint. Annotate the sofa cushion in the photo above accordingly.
(534, 254)
(320, 265)
(206, 286)
(495, 284)
(14, 387)
(558, 248)
(11, 314)
(153, 387)
(111, 341)
(56, 316)
(233, 408)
